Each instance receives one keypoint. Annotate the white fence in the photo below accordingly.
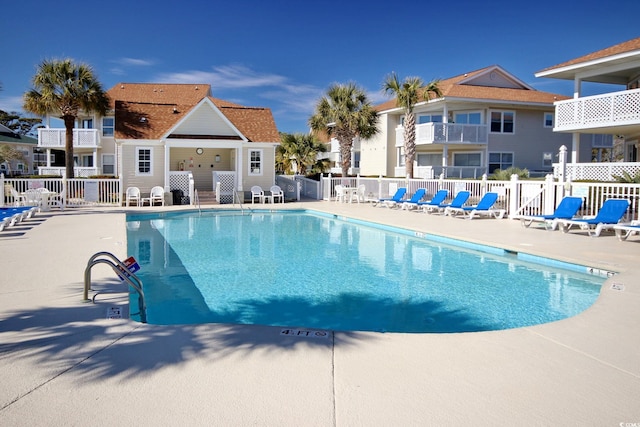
(72, 192)
(516, 197)
(597, 171)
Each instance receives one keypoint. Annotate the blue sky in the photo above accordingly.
(284, 54)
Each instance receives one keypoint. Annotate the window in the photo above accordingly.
(548, 120)
(144, 161)
(502, 121)
(500, 161)
(547, 160)
(467, 159)
(468, 118)
(108, 164)
(107, 126)
(86, 123)
(401, 157)
(87, 160)
(429, 118)
(255, 162)
(428, 159)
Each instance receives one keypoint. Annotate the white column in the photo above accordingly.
(167, 166)
(575, 148)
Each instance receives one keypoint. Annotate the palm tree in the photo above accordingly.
(64, 88)
(301, 149)
(408, 94)
(345, 112)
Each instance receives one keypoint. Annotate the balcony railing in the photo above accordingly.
(55, 138)
(607, 110)
(79, 172)
(445, 133)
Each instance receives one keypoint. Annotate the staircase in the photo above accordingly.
(207, 198)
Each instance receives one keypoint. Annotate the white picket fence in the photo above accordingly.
(74, 192)
(517, 197)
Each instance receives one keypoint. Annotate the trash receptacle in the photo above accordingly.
(177, 196)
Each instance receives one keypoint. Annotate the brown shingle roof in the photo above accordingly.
(628, 46)
(455, 88)
(150, 110)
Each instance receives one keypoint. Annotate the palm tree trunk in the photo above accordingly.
(409, 143)
(346, 143)
(69, 122)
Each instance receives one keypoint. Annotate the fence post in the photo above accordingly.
(514, 198)
(562, 158)
(379, 186)
(549, 195)
(4, 192)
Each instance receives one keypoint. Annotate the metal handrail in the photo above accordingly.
(236, 196)
(123, 272)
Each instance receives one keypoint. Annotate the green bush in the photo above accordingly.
(505, 175)
(625, 178)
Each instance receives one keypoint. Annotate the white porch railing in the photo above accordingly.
(446, 133)
(611, 109)
(55, 138)
(79, 172)
(430, 172)
(597, 171)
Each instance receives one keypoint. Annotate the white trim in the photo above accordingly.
(224, 118)
(137, 161)
(261, 167)
(502, 132)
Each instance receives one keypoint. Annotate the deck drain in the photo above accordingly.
(617, 287)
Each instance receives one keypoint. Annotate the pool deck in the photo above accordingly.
(62, 362)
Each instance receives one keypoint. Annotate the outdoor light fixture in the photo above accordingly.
(217, 158)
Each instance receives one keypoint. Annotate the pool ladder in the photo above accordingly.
(119, 268)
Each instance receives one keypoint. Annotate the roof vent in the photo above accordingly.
(175, 110)
(196, 87)
(143, 120)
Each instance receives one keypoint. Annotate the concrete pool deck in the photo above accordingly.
(62, 362)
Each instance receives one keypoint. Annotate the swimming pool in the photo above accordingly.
(311, 270)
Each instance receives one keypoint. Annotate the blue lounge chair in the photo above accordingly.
(400, 192)
(567, 209)
(625, 230)
(438, 198)
(408, 204)
(483, 208)
(457, 202)
(610, 213)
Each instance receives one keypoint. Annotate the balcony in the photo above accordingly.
(614, 113)
(79, 172)
(446, 133)
(55, 138)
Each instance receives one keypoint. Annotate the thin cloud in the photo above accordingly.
(133, 62)
(226, 77)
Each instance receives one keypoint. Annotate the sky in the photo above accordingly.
(284, 54)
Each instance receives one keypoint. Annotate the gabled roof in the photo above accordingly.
(7, 135)
(150, 110)
(621, 48)
(615, 64)
(487, 84)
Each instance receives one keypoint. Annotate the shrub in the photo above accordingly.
(505, 175)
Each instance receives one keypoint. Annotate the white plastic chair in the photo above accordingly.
(358, 194)
(277, 193)
(257, 193)
(157, 195)
(18, 199)
(133, 195)
(340, 193)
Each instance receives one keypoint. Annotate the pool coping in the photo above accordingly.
(579, 370)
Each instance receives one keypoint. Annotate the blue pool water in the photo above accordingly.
(310, 270)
